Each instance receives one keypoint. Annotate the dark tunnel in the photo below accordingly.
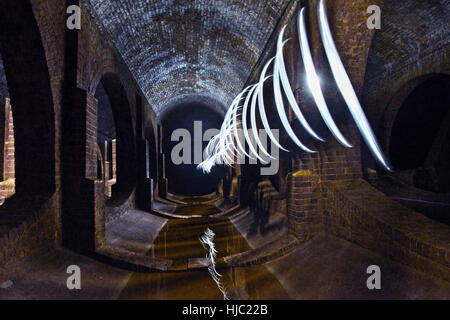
(192, 121)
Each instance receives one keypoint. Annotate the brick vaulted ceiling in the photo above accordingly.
(180, 48)
(410, 31)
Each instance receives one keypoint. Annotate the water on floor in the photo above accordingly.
(239, 283)
(180, 240)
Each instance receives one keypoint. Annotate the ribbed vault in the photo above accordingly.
(180, 48)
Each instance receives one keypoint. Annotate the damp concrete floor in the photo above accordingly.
(323, 268)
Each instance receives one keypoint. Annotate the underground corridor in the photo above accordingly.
(224, 150)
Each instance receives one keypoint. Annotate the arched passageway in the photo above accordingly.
(106, 140)
(420, 137)
(115, 139)
(31, 101)
(184, 128)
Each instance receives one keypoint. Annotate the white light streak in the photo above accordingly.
(345, 87)
(279, 100)
(253, 119)
(262, 110)
(288, 90)
(207, 241)
(244, 123)
(314, 82)
(228, 142)
(235, 131)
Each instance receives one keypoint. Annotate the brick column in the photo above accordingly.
(162, 181)
(144, 186)
(83, 196)
(303, 203)
(9, 147)
(3, 122)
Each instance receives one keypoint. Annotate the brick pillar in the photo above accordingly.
(303, 203)
(162, 181)
(144, 187)
(143, 190)
(83, 196)
(7, 180)
(3, 127)
(9, 147)
(114, 159)
(107, 169)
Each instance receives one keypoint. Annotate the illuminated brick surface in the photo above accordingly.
(176, 48)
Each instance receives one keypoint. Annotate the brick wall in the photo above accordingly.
(411, 48)
(359, 213)
(302, 203)
(95, 60)
(332, 162)
(326, 192)
(95, 57)
(8, 172)
(412, 45)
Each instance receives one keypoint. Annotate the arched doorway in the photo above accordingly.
(28, 81)
(106, 141)
(420, 136)
(115, 139)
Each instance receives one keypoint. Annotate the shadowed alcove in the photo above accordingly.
(420, 136)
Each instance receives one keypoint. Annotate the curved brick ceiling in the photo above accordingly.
(189, 47)
(410, 30)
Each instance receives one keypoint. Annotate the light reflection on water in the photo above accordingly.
(242, 283)
(179, 240)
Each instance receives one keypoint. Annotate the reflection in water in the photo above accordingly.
(207, 241)
(179, 240)
(179, 237)
(242, 283)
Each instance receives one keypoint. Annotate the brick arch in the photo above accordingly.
(126, 155)
(32, 105)
(393, 107)
(422, 108)
(410, 46)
